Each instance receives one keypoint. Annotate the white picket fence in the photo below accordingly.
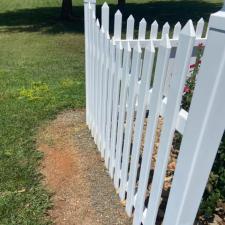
(119, 95)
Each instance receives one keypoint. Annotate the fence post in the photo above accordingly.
(87, 23)
(203, 132)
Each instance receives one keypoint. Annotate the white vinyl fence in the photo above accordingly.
(123, 105)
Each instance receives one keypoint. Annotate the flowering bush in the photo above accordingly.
(190, 84)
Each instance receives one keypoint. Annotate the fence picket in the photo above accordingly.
(97, 77)
(116, 94)
(101, 66)
(166, 29)
(112, 50)
(145, 83)
(117, 25)
(154, 30)
(94, 75)
(89, 72)
(105, 17)
(184, 50)
(156, 99)
(176, 31)
(199, 28)
(142, 29)
(104, 93)
(206, 119)
(130, 28)
(122, 112)
(92, 92)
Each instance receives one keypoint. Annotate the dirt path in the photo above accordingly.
(74, 171)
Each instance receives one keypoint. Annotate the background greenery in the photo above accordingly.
(42, 73)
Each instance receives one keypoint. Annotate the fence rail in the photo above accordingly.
(131, 85)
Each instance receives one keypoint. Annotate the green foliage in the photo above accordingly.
(215, 190)
(190, 83)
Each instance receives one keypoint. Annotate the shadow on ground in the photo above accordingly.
(47, 20)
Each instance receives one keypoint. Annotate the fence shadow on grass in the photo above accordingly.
(46, 19)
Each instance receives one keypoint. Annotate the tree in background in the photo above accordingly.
(67, 10)
(121, 4)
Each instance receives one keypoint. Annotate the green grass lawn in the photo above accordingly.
(42, 73)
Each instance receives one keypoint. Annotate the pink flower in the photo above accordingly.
(187, 89)
(192, 66)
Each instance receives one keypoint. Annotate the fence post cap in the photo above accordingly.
(217, 19)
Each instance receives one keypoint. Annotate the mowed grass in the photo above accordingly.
(41, 74)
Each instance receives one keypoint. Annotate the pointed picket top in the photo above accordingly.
(142, 29)
(118, 13)
(130, 28)
(102, 30)
(155, 23)
(130, 18)
(117, 25)
(176, 30)
(166, 29)
(154, 30)
(97, 23)
(199, 28)
(188, 29)
(105, 5)
(111, 45)
(166, 42)
(105, 16)
(107, 36)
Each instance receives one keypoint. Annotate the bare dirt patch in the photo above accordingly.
(75, 173)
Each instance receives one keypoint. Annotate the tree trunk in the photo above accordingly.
(121, 2)
(67, 10)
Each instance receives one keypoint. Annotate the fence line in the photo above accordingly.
(132, 85)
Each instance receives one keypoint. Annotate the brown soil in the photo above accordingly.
(75, 173)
